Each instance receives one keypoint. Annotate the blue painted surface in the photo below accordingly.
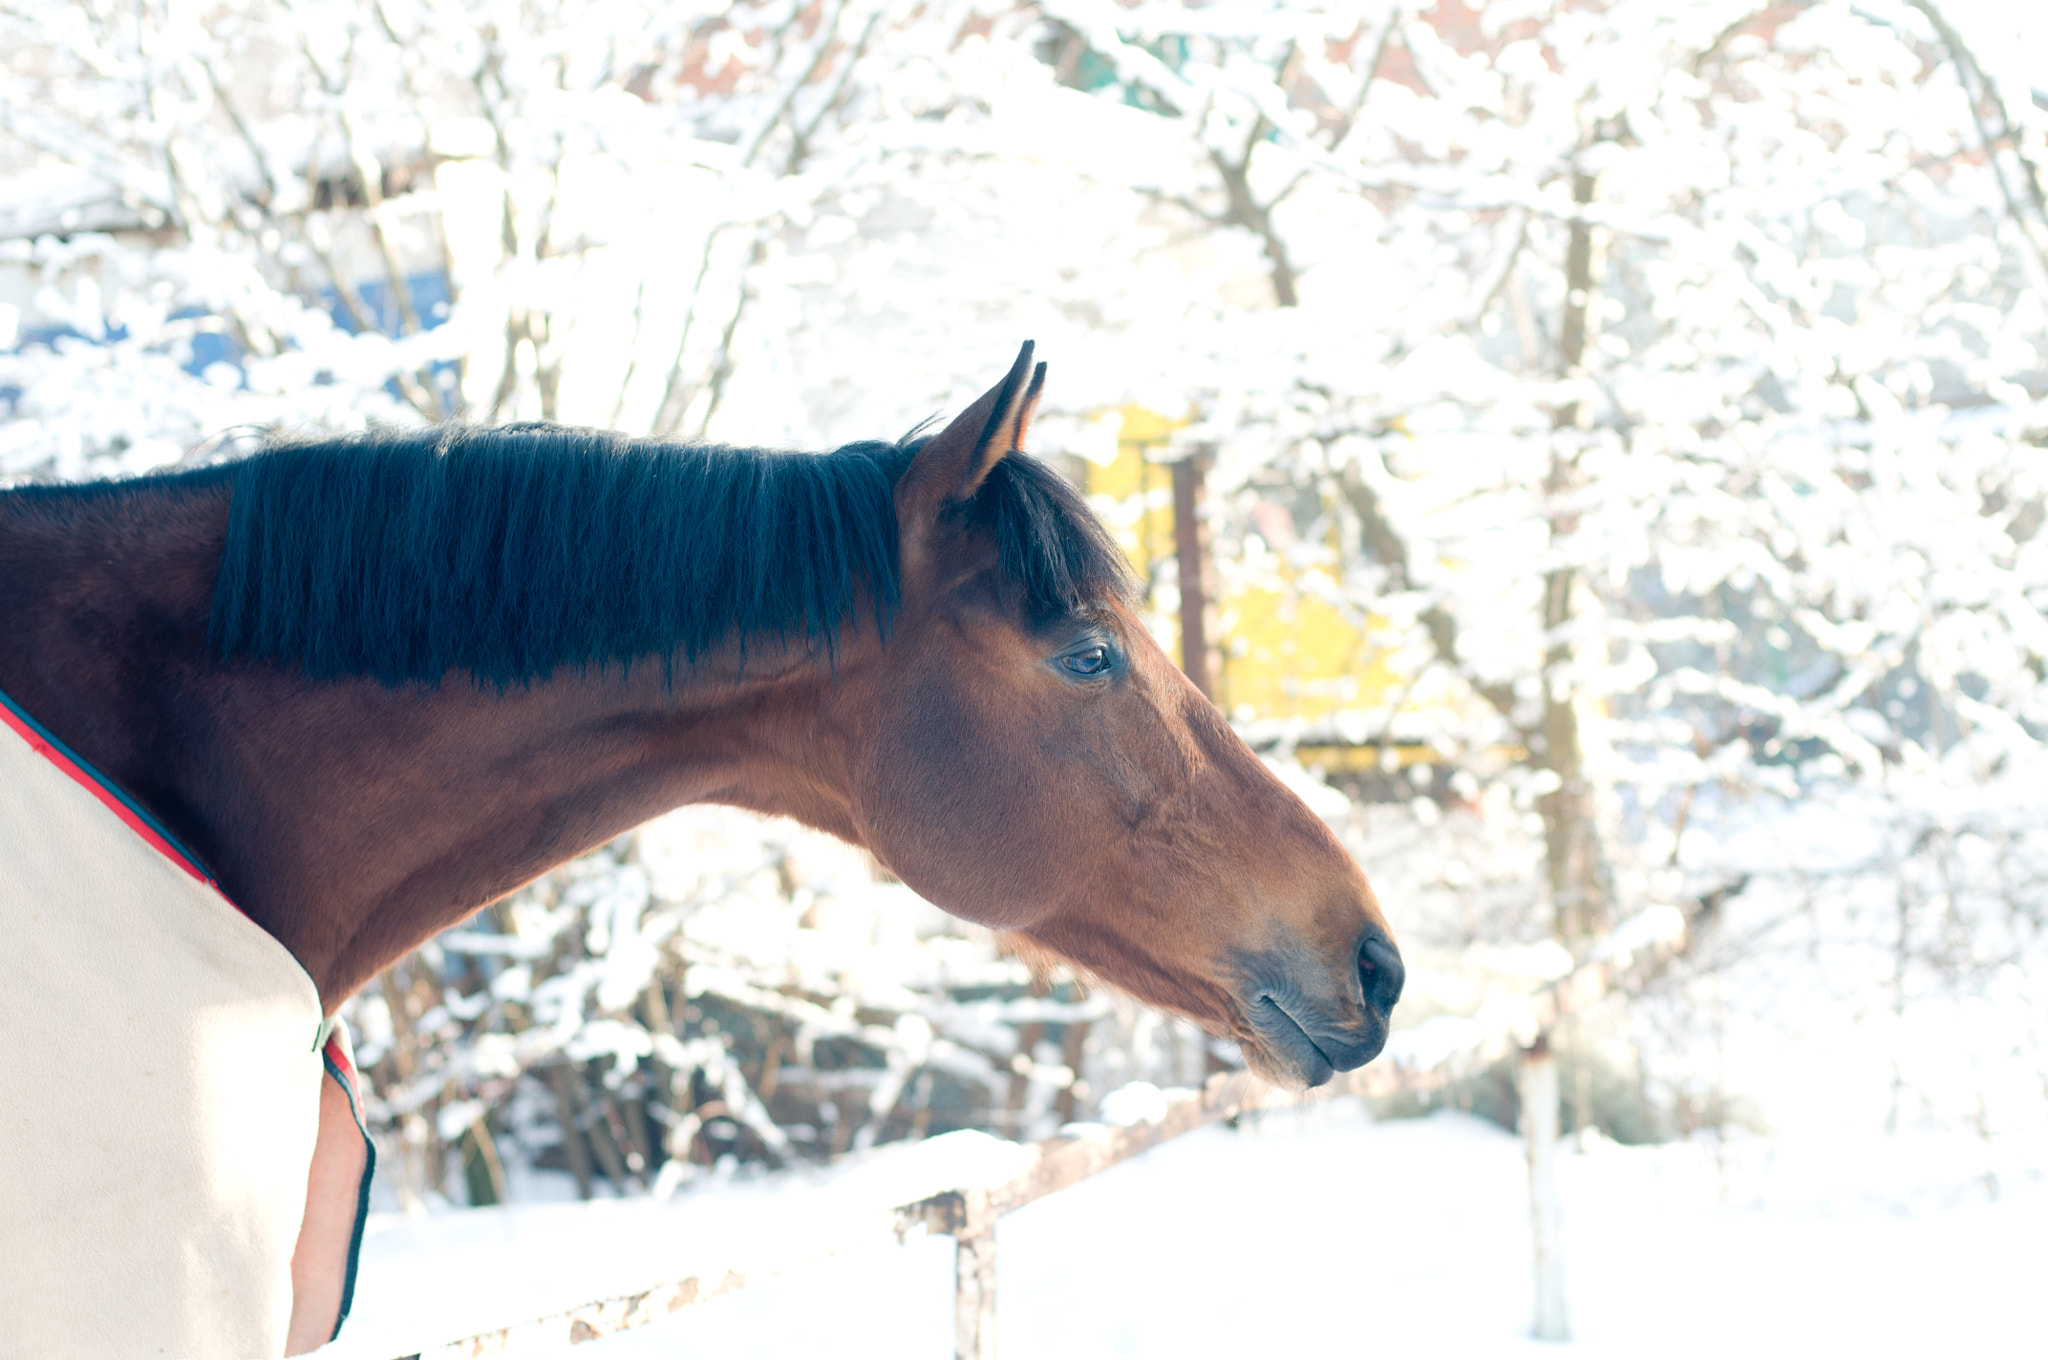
(207, 346)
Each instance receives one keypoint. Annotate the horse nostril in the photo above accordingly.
(1379, 967)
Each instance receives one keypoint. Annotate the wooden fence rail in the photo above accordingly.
(1427, 1058)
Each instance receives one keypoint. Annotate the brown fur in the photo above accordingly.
(1116, 822)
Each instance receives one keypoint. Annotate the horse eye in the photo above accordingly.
(1094, 661)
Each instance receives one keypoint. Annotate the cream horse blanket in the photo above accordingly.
(177, 1118)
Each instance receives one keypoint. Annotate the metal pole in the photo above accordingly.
(1538, 1082)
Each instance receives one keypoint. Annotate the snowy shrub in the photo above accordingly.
(714, 989)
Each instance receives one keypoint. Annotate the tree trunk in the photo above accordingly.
(1190, 544)
(1575, 866)
(1028, 1037)
(574, 1149)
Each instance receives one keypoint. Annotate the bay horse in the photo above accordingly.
(372, 683)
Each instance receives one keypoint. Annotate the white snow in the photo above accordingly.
(1316, 1232)
(1137, 1102)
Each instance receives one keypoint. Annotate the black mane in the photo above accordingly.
(510, 553)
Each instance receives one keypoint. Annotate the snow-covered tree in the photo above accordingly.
(1672, 376)
(1655, 387)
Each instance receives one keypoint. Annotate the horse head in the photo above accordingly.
(1024, 754)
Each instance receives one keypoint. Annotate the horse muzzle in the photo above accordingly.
(1301, 1026)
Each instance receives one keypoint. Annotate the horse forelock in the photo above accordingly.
(512, 553)
(1049, 542)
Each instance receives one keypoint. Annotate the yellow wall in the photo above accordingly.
(1286, 654)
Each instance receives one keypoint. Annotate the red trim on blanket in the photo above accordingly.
(91, 783)
(341, 1070)
(338, 1055)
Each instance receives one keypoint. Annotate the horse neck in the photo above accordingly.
(350, 820)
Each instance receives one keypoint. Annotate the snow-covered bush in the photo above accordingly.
(719, 988)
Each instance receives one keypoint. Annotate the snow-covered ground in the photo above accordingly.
(1315, 1233)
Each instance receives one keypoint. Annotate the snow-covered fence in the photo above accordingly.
(601, 1317)
(1426, 1058)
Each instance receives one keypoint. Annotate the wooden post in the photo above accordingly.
(1188, 547)
(969, 1217)
(974, 1293)
(1537, 1079)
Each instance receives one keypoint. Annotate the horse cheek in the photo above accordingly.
(958, 813)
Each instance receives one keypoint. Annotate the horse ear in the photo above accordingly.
(954, 462)
(1028, 408)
